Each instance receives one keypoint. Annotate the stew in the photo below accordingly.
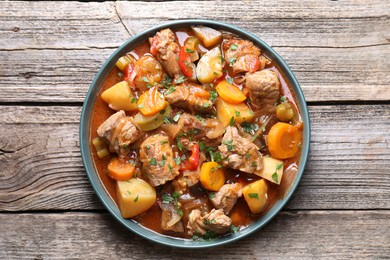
(195, 133)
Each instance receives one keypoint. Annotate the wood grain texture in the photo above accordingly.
(300, 235)
(52, 56)
(347, 169)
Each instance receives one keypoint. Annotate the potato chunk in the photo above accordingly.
(120, 97)
(227, 111)
(209, 66)
(272, 170)
(255, 194)
(207, 35)
(134, 197)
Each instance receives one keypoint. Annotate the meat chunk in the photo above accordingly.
(171, 219)
(157, 160)
(227, 197)
(239, 152)
(190, 96)
(195, 223)
(264, 88)
(242, 55)
(207, 130)
(215, 221)
(166, 50)
(120, 131)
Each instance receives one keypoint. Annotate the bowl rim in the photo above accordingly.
(93, 175)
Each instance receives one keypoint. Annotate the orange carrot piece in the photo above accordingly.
(283, 140)
(230, 93)
(151, 102)
(120, 170)
(211, 177)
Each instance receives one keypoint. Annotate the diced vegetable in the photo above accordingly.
(151, 102)
(124, 61)
(229, 114)
(255, 195)
(148, 72)
(147, 123)
(209, 66)
(272, 170)
(185, 63)
(230, 93)
(207, 35)
(211, 176)
(283, 140)
(134, 197)
(193, 161)
(120, 170)
(284, 112)
(100, 147)
(191, 46)
(120, 97)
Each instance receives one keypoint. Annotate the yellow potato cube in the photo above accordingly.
(239, 112)
(255, 195)
(120, 97)
(134, 197)
(272, 170)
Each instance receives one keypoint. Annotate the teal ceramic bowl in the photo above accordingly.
(93, 176)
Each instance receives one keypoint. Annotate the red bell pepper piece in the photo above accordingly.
(193, 161)
(184, 61)
(129, 74)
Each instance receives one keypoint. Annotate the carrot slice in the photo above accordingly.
(230, 93)
(120, 170)
(151, 102)
(211, 177)
(283, 140)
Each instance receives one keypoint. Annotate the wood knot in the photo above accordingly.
(16, 29)
(26, 75)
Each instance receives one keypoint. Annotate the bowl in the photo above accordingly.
(94, 178)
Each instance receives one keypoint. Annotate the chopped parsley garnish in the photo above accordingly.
(128, 192)
(231, 123)
(176, 117)
(249, 128)
(189, 50)
(177, 160)
(166, 120)
(180, 79)
(164, 141)
(148, 147)
(162, 112)
(253, 195)
(279, 166)
(176, 194)
(153, 162)
(179, 211)
(234, 229)
(145, 79)
(229, 80)
(170, 90)
(247, 155)
(215, 156)
(179, 144)
(167, 82)
(141, 106)
(233, 47)
(275, 177)
(263, 128)
(167, 198)
(120, 75)
(282, 99)
(202, 146)
(170, 168)
(133, 100)
(237, 113)
(136, 199)
(229, 145)
(254, 164)
(232, 61)
(213, 95)
(211, 195)
(206, 104)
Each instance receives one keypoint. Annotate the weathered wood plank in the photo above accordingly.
(325, 74)
(347, 169)
(339, 70)
(302, 234)
(285, 23)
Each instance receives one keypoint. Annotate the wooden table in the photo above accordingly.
(340, 53)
